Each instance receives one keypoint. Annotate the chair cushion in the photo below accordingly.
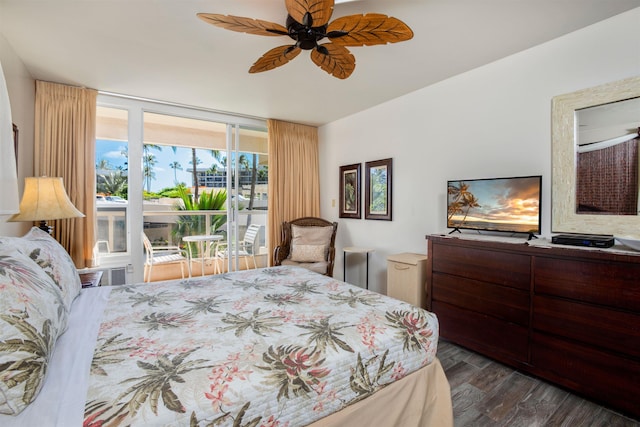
(163, 259)
(318, 267)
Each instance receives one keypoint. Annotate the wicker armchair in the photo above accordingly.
(307, 242)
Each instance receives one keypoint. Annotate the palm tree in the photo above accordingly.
(470, 202)
(149, 161)
(224, 161)
(187, 225)
(263, 173)
(463, 200)
(217, 156)
(254, 178)
(176, 166)
(113, 183)
(103, 164)
(195, 161)
(457, 193)
(125, 153)
(244, 163)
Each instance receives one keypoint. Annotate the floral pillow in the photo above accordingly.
(52, 258)
(32, 317)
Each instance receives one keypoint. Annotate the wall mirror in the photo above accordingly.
(583, 122)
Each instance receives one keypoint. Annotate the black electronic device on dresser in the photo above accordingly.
(565, 314)
(588, 240)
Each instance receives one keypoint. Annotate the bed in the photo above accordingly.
(280, 346)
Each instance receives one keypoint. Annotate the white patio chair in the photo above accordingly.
(246, 247)
(163, 255)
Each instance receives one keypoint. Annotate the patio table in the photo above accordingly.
(204, 242)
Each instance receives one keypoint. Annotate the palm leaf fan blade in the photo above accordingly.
(319, 10)
(368, 30)
(244, 25)
(334, 59)
(274, 58)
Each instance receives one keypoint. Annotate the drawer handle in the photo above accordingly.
(398, 267)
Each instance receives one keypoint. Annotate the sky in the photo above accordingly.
(111, 151)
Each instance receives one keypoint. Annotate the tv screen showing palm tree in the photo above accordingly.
(495, 204)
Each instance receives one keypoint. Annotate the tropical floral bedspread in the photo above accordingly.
(279, 346)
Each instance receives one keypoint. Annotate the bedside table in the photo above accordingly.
(355, 250)
(90, 279)
(406, 278)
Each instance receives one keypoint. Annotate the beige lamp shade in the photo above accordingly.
(45, 198)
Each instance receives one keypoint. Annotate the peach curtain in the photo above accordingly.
(65, 129)
(294, 175)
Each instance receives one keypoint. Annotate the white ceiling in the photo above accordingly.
(159, 49)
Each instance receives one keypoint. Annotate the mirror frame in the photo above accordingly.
(563, 195)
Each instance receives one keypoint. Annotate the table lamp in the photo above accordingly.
(45, 198)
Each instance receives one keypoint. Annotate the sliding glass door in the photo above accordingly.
(194, 179)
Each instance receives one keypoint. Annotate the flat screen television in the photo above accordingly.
(495, 204)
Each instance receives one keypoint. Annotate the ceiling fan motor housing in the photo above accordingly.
(306, 36)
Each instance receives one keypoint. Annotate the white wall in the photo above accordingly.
(493, 121)
(21, 88)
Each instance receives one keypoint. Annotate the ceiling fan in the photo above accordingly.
(307, 24)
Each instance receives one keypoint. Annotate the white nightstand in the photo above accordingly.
(406, 277)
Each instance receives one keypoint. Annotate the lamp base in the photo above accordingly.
(44, 227)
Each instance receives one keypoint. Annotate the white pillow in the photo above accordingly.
(311, 235)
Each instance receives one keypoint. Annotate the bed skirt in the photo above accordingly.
(421, 399)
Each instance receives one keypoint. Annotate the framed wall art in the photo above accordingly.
(377, 201)
(350, 191)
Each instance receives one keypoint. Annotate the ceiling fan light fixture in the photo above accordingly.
(307, 24)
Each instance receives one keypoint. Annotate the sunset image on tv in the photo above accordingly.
(500, 204)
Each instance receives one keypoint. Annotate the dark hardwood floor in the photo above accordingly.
(487, 393)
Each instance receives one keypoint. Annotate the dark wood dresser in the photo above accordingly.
(568, 315)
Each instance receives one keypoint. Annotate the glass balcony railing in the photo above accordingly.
(168, 227)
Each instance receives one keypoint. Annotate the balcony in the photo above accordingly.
(166, 226)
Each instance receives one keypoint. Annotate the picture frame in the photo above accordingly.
(378, 178)
(350, 191)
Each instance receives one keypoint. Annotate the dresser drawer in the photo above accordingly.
(604, 328)
(602, 376)
(504, 303)
(503, 268)
(607, 283)
(504, 341)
